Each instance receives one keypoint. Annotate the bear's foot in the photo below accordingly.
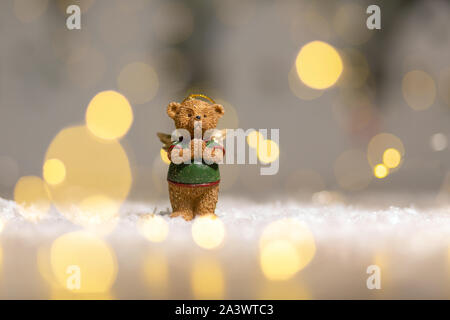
(184, 214)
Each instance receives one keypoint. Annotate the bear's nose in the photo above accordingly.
(198, 117)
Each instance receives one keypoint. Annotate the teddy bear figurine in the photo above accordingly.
(193, 175)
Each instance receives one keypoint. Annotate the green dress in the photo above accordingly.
(194, 174)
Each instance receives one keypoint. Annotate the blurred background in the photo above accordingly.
(244, 54)
(363, 114)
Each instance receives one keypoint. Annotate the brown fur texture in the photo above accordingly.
(189, 201)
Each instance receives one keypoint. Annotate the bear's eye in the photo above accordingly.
(189, 115)
(204, 116)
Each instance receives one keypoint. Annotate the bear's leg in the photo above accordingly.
(181, 201)
(206, 202)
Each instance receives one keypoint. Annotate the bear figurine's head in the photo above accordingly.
(192, 111)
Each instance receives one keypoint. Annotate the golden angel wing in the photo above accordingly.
(166, 140)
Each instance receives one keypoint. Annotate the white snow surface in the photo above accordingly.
(409, 242)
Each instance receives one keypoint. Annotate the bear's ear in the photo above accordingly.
(172, 109)
(218, 109)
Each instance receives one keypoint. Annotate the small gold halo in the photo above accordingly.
(198, 95)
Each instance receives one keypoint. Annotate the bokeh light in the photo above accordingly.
(32, 196)
(438, 142)
(87, 253)
(268, 151)
(286, 247)
(28, 11)
(208, 231)
(380, 171)
(392, 158)
(378, 146)
(139, 82)
(153, 227)
(207, 279)
(352, 171)
(419, 90)
(254, 138)
(98, 177)
(54, 171)
(109, 115)
(318, 65)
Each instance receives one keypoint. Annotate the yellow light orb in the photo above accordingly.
(164, 156)
(286, 247)
(392, 158)
(254, 138)
(378, 146)
(380, 171)
(54, 171)
(83, 263)
(208, 232)
(109, 115)
(279, 260)
(207, 279)
(318, 65)
(154, 228)
(32, 197)
(268, 151)
(98, 177)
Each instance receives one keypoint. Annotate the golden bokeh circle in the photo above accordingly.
(109, 115)
(286, 247)
(378, 146)
(392, 158)
(380, 171)
(98, 177)
(31, 194)
(318, 65)
(54, 171)
(208, 232)
(84, 254)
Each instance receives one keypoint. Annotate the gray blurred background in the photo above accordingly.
(241, 53)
